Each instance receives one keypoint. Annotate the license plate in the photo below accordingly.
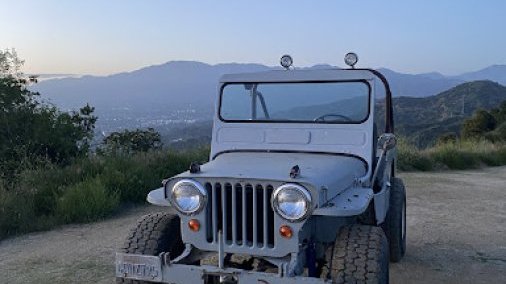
(139, 267)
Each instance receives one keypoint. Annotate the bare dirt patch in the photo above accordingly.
(456, 234)
(456, 228)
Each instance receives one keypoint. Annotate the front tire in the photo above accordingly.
(359, 255)
(154, 234)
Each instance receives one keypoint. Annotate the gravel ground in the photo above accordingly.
(456, 234)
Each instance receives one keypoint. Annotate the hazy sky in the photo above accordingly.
(109, 36)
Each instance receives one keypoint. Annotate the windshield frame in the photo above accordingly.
(364, 81)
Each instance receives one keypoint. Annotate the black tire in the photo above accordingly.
(395, 223)
(359, 255)
(154, 234)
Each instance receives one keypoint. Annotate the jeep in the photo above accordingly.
(300, 187)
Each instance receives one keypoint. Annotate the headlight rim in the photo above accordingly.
(306, 194)
(201, 191)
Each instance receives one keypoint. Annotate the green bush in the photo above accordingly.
(452, 156)
(88, 189)
(463, 155)
(132, 177)
(16, 212)
(86, 201)
(410, 158)
(48, 183)
(131, 141)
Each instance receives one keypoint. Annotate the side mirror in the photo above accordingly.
(387, 141)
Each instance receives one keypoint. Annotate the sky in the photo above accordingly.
(109, 36)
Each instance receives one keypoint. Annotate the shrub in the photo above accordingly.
(446, 138)
(86, 201)
(132, 177)
(47, 183)
(88, 189)
(16, 212)
(410, 158)
(480, 123)
(128, 142)
(452, 156)
(470, 154)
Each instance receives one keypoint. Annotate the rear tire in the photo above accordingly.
(395, 226)
(154, 234)
(359, 255)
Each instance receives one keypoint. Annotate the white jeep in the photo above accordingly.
(299, 188)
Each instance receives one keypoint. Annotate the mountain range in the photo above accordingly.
(184, 91)
(190, 82)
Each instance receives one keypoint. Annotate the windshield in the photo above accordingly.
(316, 102)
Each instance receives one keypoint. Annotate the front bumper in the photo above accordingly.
(156, 269)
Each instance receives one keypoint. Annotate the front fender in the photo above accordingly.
(157, 197)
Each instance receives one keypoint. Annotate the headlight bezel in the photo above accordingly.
(306, 194)
(200, 190)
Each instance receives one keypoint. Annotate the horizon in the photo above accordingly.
(47, 76)
(413, 38)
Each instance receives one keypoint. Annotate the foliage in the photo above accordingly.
(88, 189)
(33, 133)
(446, 138)
(499, 113)
(498, 134)
(86, 201)
(480, 123)
(459, 156)
(16, 212)
(410, 158)
(490, 125)
(128, 142)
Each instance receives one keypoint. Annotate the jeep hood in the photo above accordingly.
(334, 172)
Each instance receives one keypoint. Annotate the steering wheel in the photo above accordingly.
(322, 117)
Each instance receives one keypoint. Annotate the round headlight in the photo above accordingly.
(291, 201)
(188, 196)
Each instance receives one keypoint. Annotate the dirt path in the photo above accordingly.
(456, 234)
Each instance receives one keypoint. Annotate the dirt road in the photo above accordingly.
(456, 234)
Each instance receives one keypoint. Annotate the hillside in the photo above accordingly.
(422, 120)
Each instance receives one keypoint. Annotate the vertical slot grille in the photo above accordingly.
(242, 212)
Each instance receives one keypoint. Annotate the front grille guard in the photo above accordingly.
(242, 212)
(253, 233)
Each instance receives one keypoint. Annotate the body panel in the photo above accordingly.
(352, 139)
(336, 173)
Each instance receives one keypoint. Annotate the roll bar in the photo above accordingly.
(389, 115)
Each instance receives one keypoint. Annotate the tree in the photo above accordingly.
(128, 142)
(499, 113)
(32, 132)
(479, 124)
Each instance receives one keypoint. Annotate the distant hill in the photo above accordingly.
(174, 83)
(180, 91)
(420, 85)
(496, 73)
(422, 120)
